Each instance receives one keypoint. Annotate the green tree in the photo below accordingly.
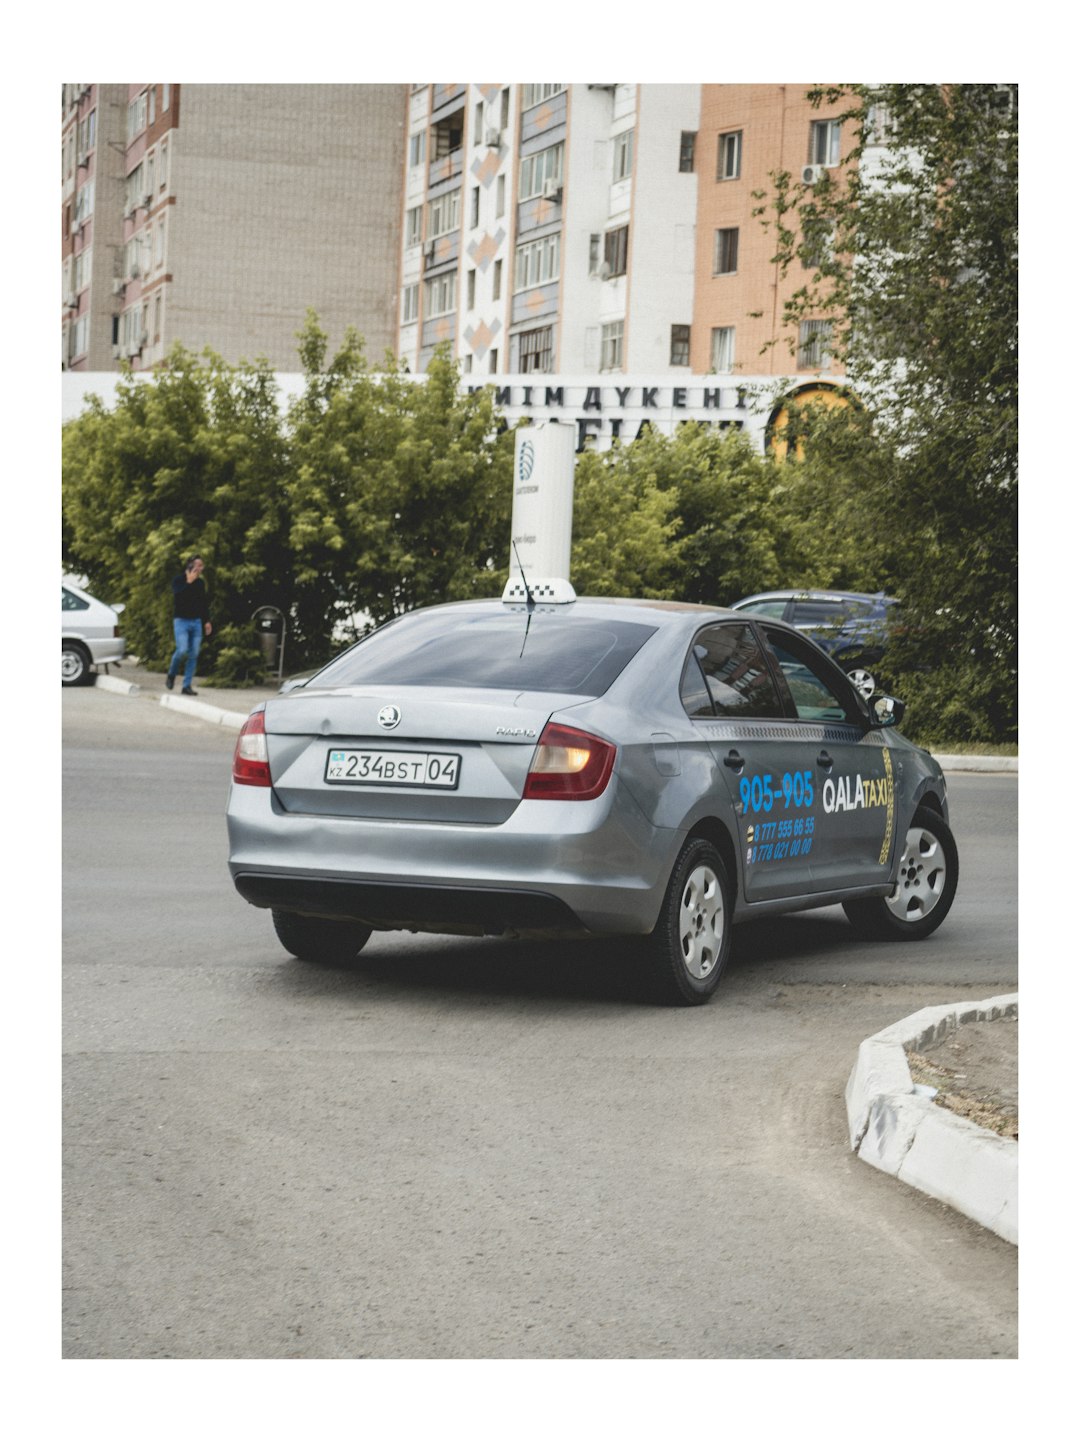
(399, 492)
(190, 462)
(910, 248)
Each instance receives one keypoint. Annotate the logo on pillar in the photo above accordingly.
(526, 458)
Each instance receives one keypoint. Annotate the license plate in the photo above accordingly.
(394, 769)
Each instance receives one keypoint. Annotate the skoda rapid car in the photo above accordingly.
(653, 770)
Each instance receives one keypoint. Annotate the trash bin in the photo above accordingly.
(270, 625)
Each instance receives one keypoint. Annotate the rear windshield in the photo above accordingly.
(547, 651)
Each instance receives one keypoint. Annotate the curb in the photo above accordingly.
(899, 1130)
(949, 763)
(112, 683)
(234, 720)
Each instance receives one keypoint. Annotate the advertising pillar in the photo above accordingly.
(543, 512)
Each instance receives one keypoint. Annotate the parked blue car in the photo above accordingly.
(852, 626)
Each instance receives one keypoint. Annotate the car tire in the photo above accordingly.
(920, 901)
(864, 682)
(690, 944)
(319, 939)
(74, 664)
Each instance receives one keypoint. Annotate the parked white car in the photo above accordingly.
(90, 634)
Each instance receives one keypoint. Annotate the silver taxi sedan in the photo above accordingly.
(655, 770)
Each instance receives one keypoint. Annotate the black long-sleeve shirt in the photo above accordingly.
(189, 598)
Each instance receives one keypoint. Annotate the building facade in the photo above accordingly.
(604, 229)
(216, 215)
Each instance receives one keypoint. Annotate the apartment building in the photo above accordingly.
(603, 229)
(216, 215)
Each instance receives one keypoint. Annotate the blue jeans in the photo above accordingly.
(188, 639)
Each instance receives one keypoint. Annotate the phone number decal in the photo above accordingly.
(775, 841)
(796, 789)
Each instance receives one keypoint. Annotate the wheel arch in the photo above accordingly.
(713, 830)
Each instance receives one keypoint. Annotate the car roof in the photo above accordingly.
(810, 593)
(597, 608)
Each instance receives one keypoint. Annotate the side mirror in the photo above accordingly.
(887, 711)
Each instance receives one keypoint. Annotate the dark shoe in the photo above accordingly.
(169, 682)
(188, 691)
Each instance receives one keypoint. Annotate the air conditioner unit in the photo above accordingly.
(117, 351)
(552, 190)
(429, 252)
(136, 271)
(147, 200)
(493, 137)
(811, 174)
(76, 227)
(71, 301)
(84, 159)
(118, 287)
(143, 339)
(129, 210)
(605, 270)
(133, 348)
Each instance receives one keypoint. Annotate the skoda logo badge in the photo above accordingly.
(389, 717)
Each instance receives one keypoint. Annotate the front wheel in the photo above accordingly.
(319, 939)
(925, 887)
(691, 942)
(864, 682)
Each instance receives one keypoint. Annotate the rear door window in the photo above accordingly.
(726, 675)
(70, 602)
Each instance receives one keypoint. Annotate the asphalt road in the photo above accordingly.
(461, 1149)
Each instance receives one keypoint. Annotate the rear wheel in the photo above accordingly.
(690, 944)
(925, 888)
(319, 939)
(74, 664)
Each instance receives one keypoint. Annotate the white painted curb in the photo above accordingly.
(113, 683)
(951, 763)
(234, 720)
(894, 1128)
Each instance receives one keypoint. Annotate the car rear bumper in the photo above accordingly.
(552, 867)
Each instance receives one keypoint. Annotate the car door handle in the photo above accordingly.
(824, 759)
(734, 761)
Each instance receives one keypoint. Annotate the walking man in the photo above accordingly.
(191, 622)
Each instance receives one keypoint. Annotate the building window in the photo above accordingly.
(729, 156)
(446, 135)
(151, 105)
(535, 351)
(536, 263)
(504, 110)
(159, 243)
(410, 303)
(440, 295)
(815, 338)
(825, 142)
(493, 359)
(416, 148)
(686, 151)
(474, 207)
(136, 121)
(615, 248)
(478, 123)
(680, 345)
(496, 281)
(624, 155)
(500, 196)
(165, 89)
(148, 170)
(163, 165)
(722, 350)
(414, 225)
(538, 169)
(470, 289)
(444, 214)
(726, 252)
(533, 94)
(157, 317)
(611, 346)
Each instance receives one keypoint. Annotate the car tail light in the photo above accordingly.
(569, 766)
(251, 764)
